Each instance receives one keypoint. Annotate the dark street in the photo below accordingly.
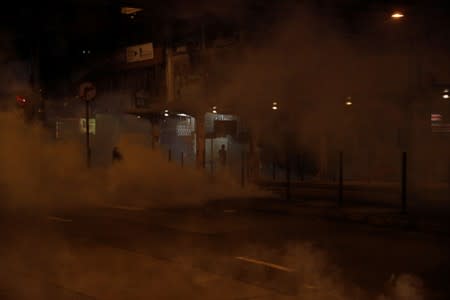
(217, 251)
(225, 149)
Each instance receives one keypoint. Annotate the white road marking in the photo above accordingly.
(251, 297)
(311, 287)
(59, 219)
(129, 208)
(264, 263)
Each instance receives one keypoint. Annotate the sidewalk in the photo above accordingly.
(363, 214)
(350, 184)
(429, 221)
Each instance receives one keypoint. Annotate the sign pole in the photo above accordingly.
(88, 144)
(87, 94)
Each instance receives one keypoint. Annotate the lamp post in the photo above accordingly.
(275, 156)
(213, 137)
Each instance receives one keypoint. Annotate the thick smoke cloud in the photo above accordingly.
(307, 67)
(310, 63)
(44, 172)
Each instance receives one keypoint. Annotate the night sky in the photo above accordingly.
(61, 30)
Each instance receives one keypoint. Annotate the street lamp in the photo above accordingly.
(274, 106)
(214, 110)
(445, 95)
(349, 101)
(397, 15)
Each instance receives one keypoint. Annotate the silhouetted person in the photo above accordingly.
(223, 156)
(116, 155)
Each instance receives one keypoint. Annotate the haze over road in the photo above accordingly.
(213, 252)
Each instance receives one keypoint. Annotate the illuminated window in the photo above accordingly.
(436, 117)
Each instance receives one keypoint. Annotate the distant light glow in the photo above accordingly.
(182, 115)
(436, 117)
(214, 110)
(138, 117)
(446, 96)
(397, 15)
(349, 101)
(166, 113)
(21, 100)
(275, 105)
(130, 10)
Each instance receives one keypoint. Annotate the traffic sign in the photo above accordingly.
(87, 91)
(140, 53)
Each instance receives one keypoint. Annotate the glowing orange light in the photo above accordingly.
(397, 15)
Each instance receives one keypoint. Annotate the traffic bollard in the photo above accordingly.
(404, 182)
(274, 170)
(243, 169)
(182, 159)
(341, 179)
(288, 179)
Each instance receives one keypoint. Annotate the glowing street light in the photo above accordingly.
(166, 113)
(214, 110)
(397, 15)
(349, 101)
(445, 95)
(274, 106)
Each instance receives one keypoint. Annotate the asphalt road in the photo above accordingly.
(216, 252)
